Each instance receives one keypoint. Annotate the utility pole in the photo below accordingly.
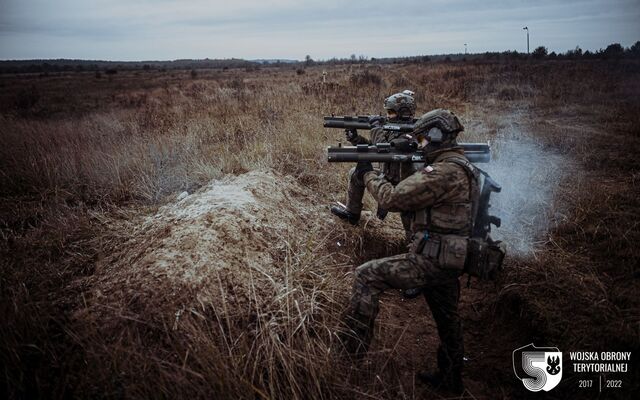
(526, 28)
(465, 49)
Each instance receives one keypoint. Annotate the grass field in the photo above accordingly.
(90, 173)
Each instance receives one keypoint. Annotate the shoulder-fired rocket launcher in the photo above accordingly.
(386, 152)
(362, 122)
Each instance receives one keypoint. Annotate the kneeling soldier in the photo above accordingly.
(441, 198)
(400, 108)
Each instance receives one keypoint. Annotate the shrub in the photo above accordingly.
(539, 52)
(614, 50)
(365, 78)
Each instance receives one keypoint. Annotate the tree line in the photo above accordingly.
(613, 51)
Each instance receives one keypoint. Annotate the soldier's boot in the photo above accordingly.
(345, 214)
(355, 337)
(411, 293)
(354, 344)
(448, 377)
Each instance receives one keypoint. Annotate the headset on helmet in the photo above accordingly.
(442, 124)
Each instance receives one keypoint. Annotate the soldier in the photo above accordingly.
(400, 107)
(442, 198)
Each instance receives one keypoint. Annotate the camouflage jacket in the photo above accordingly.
(438, 195)
(394, 172)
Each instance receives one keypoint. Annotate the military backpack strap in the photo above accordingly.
(484, 255)
(469, 168)
(473, 173)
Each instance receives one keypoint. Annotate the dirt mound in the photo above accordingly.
(225, 230)
(234, 286)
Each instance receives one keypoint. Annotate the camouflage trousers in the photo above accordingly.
(406, 271)
(355, 194)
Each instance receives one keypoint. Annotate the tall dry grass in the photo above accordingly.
(82, 158)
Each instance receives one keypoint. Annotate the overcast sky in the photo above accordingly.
(171, 29)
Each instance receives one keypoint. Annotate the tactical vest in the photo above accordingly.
(451, 217)
(441, 232)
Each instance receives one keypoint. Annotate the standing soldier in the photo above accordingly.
(400, 107)
(442, 198)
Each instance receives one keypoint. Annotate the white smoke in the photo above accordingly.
(530, 176)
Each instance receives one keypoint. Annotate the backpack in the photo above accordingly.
(484, 255)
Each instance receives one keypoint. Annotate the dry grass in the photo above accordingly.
(82, 160)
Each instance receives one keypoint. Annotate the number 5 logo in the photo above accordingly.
(539, 368)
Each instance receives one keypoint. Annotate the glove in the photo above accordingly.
(362, 168)
(351, 134)
(376, 120)
(404, 145)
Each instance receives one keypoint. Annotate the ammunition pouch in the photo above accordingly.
(453, 252)
(450, 251)
(484, 258)
(475, 256)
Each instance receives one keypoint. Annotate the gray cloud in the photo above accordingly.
(169, 29)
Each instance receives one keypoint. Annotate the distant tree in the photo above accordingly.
(575, 53)
(146, 67)
(512, 55)
(111, 71)
(553, 55)
(634, 50)
(539, 52)
(614, 50)
(425, 59)
(194, 74)
(308, 61)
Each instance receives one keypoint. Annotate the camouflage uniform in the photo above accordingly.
(393, 172)
(439, 198)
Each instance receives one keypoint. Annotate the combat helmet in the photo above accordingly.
(402, 103)
(439, 122)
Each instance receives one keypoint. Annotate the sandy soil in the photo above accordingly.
(212, 241)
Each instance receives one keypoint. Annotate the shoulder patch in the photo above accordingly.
(428, 169)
